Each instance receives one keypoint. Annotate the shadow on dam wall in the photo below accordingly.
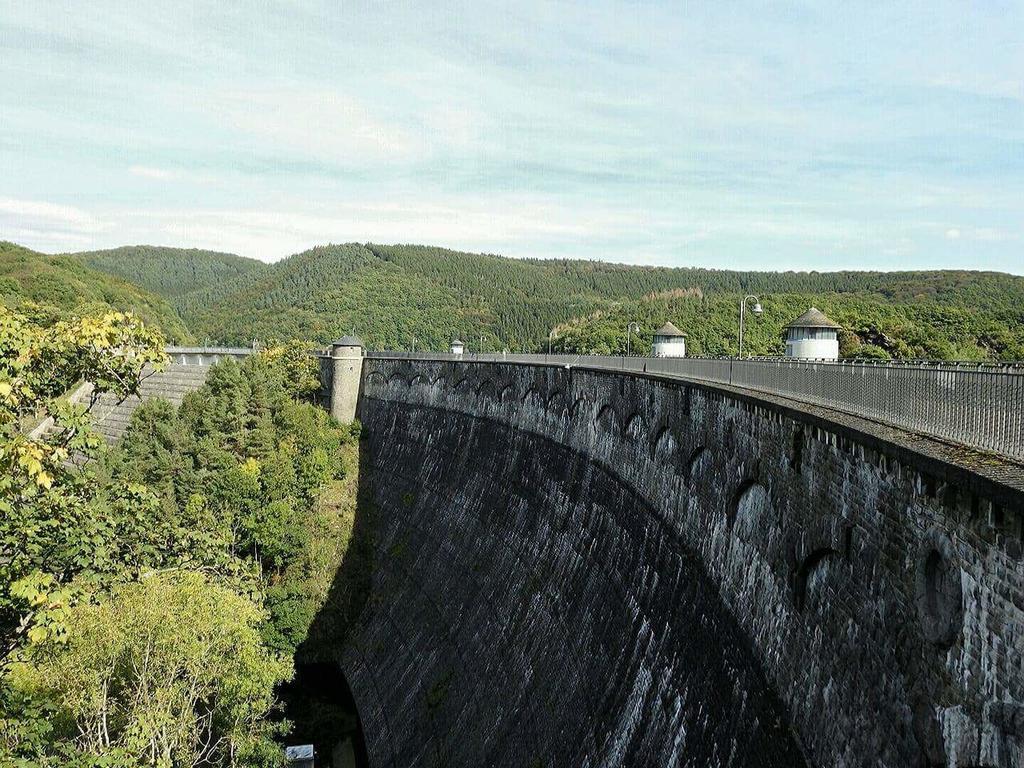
(527, 608)
(319, 701)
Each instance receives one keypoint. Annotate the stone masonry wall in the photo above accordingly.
(111, 417)
(582, 568)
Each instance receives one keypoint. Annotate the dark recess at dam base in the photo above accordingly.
(582, 568)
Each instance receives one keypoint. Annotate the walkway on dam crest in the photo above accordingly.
(968, 414)
(975, 405)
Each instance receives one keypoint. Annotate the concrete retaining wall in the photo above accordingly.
(111, 418)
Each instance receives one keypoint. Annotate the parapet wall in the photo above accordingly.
(587, 568)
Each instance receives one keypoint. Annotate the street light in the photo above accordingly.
(551, 334)
(629, 335)
(756, 309)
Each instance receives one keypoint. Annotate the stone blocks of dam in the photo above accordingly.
(583, 568)
(112, 416)
(186, 371)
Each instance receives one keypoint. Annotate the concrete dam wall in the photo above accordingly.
(111, 416)
(185, 372)
(582, 568)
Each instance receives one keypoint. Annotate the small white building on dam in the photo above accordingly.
(813, 336)
(669, 341)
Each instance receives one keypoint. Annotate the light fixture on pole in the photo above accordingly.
(756, 309)
(629, 334)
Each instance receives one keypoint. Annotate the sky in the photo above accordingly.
(772, 135)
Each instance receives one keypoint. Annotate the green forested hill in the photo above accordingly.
(169, 272)
(328, 291)
(389, 294)
(55, 287)
(940, 328)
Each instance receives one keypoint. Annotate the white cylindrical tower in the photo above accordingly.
(347, 372)
(669, 341)
(813, 336)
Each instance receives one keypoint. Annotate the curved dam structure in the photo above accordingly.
(576, 567)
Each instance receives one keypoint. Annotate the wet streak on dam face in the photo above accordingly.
(579, 568)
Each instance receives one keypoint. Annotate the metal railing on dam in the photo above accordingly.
(980, 405)
(205, 355)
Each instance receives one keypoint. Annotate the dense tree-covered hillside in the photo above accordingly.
(53, 286)
(169, 272)
(873, 326)
(390, 294)
(328, 291)
(152, 596)
(393, 294)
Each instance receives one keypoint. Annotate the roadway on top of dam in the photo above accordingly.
(968, 416)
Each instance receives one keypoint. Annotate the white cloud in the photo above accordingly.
(953, 234)
(149, 172)
(181, 176)
(320, 124)
(65, 216)
(271, 234)
(993, 235)
(992, 87)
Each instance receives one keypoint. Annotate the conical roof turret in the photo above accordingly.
(668, 329)
(814, 318)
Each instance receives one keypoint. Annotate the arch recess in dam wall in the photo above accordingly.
(582, 568)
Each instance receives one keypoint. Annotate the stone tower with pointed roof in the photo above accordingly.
(347, 371)
(813, 336)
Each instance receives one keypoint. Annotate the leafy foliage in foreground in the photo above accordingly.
(47, 506)
(50, 288)
(166, 670)
(151, 601)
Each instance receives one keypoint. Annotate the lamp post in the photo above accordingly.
(551, 335)
(756, 309)
(414, 344)
(629, 335)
